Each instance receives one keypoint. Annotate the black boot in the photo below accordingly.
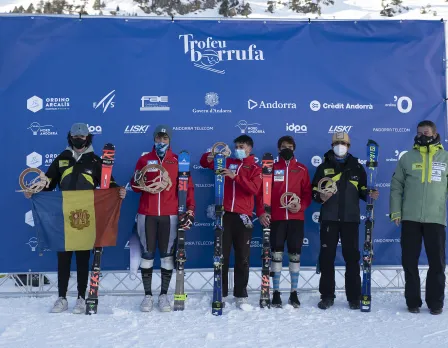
(326, 303)
(354, 304)
(414, 310)
(294, 300)
(276, 300)
(435, 311)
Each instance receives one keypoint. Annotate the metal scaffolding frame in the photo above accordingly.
(384, 278)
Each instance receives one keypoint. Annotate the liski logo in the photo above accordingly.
(250, 128)
(336, 129)
(106, 102)
(209, 53)
(403, 104)
(37, 129)
(136, 129)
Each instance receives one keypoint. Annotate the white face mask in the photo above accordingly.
(340, 150)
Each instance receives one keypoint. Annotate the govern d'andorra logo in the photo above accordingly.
(207, 54)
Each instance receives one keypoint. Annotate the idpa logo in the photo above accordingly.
(95, 129)
(298, 129)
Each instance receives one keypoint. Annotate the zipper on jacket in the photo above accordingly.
(233, 199)
(424, 185)
(161, 162)
(287, 165)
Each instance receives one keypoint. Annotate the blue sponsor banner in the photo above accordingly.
(211, 81)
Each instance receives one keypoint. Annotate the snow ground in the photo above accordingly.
(25, 322)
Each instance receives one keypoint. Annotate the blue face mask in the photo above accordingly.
(161, 148)
(240, 154)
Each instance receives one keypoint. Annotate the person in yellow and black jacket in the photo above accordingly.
(418, 193)
(76, 168)
(340, 217)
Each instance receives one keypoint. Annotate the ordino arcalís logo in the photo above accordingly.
(209, 53)
(316, 105)
(36, 103)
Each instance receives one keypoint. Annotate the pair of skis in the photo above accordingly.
(108, 159)
(219, 165)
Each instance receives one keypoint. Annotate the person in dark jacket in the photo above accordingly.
(340, 217)
(242, 182)
(76, 168)
(287, 225)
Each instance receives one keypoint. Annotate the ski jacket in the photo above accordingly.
(287, 176)
(351, 182)
(418, 190)
(83, 173)
(167, 201)
(239, 192)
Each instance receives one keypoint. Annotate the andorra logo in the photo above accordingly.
(79, 219)
(209, 53)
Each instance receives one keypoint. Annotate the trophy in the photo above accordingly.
(37, 184)
(327, 185)
(290, 201)
(221, 148)
(156, 185)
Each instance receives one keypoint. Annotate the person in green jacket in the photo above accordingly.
(418, 194)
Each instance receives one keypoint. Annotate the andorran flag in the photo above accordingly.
(76, 220)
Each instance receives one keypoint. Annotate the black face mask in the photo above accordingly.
(78, 143)
(423, 140)
(286, 154)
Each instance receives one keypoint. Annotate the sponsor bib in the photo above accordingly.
(279, 175)
(233, 168)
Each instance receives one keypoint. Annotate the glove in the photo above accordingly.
(186, 220)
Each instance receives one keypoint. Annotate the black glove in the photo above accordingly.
(186, 220)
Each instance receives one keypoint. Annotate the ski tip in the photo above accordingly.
(372, 142)
(109, 146)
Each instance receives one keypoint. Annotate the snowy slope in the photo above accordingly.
(25, 322)
(342, 9)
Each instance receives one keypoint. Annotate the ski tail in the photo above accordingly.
(367, 255)
(181, 257)
(108, 160)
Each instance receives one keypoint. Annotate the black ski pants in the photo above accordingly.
(82, 269)
(238, 235)
(329, 237)
(434, 237)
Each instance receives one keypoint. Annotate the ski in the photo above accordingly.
(184, 174)
(367, 254)
(267, 163)
(108, 159)
(219, 164)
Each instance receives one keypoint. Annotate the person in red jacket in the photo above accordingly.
(287, 224)
(242, 182)
(157, 217)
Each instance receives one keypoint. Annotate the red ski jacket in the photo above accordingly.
(287, 177)
(165, 202)
(239, 193)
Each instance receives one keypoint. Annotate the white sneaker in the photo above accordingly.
(147, 304)
(80, 306)
(164, 303)
(60, 305)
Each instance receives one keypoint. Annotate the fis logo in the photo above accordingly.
(106, 102)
